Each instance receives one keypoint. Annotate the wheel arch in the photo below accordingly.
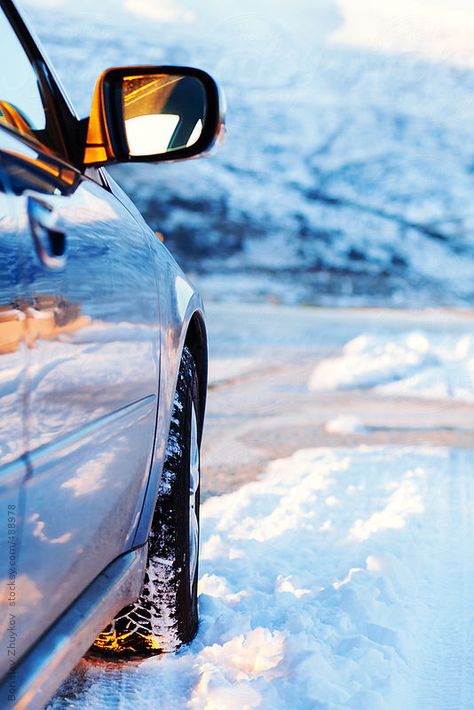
(196, 341)
(192, 334)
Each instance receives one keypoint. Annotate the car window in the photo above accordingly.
(23, 105)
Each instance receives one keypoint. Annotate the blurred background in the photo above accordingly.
(347, 175)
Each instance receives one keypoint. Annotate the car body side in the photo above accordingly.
(180, 321)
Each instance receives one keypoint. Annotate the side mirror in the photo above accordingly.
(151, 114)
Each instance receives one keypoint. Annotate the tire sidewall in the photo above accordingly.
(170, 528)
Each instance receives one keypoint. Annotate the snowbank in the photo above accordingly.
(414, 364)
(318, 589)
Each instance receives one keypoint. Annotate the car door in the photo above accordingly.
(89, 296)
(88, 293)
(13, 467)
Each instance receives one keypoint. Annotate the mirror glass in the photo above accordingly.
(162, 112)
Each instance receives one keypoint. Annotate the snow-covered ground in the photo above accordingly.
(340, 579)
(398, 389)
(340, 574)
(348, 171)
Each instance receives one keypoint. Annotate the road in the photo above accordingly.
(260, 407)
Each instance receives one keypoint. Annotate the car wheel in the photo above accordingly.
(166, 614)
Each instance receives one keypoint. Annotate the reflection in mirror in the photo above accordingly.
(162, 112)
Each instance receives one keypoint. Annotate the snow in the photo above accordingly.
(345, 424)
(227, 368)
(414, 364)
(319, 588)
(340, 577)
(427, 29)
(347, 174)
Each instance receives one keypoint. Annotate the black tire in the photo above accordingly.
(166, 615)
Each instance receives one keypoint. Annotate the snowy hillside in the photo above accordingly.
(348, 170)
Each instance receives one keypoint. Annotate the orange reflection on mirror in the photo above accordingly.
(162, 112)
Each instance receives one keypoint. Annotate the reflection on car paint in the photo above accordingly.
(184, 292)
(85, 339)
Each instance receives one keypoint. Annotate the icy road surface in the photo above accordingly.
(342, 576)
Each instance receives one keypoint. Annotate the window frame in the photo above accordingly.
(61, 119)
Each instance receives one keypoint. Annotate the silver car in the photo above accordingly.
(103, 369)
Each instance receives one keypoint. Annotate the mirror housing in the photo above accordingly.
(153, 114)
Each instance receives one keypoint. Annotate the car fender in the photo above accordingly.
(180, 306)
